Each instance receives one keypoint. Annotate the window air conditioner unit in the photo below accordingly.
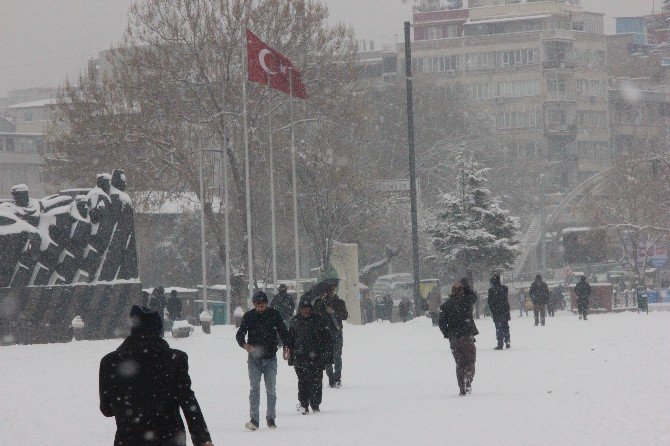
(498, 100)
(450, 72)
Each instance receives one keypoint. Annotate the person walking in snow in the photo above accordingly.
(457, 325)
(284, 303)
(259, 329)
(334, 311)
(312, 351)
(174, 306)
(522, 303)
(555, 301)
(471, 293)
(500, 311)
(157, 302)
(583, 292)
(144, 383)
(403, 309)
(539, 295)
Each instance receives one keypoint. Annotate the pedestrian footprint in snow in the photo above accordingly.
(144, 383)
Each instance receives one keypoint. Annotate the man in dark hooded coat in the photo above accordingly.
(583, 292)
(539, 294)
(312, 352)
(499, 306)
(144, 383)
(457, 325)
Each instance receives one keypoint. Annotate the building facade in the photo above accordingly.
(540, 68)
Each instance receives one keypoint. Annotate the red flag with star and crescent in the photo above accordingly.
(269, 67)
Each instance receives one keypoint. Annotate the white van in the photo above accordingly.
(383, 283)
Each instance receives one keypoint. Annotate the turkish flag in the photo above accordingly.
(269, 67)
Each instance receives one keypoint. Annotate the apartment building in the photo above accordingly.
(540, 67)
(22, 147)
(639, 116)
(20, 159)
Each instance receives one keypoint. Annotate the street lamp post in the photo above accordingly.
(205, 316)
(226, 225)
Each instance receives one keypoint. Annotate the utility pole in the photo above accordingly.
(205, 316)
(412, 166)
(543, 238)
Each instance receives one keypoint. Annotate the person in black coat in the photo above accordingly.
(539, 295)
(500, 311)
(471, 294)
(262, 326)
(144, 383)
(158, 301)
(174, 306)
(583, 292)
(283, 303)
(312, 352)
(457, 325)
(333, 310)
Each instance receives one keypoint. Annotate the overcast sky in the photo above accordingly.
(44, 41)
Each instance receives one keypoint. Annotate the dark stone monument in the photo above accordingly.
(66, 256)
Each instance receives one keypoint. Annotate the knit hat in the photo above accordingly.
(259, 297)
(145, 321)
(305, 302)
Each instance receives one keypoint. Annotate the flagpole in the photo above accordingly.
(272, 194)
(226, 225)
(250, 262)
(298, 287)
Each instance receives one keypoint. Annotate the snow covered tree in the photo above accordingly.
(468, 230)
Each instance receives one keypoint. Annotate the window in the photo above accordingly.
(452, 31)
(28, 116)
(517, 119)
(434, 32)
(10, 145)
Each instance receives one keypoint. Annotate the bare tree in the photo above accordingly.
(633, 203)
(175, 86)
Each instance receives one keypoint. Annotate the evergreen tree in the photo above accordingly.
(468, 230)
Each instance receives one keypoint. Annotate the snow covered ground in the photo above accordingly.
(601, 382)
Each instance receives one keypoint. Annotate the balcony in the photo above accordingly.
(560, 129)
(560, 35)
(560, 96)
(558, 65)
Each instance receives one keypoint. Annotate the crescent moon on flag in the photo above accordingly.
(261, 58)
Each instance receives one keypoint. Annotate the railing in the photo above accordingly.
(568, 96)
(563, 64)
(560, 128)
(563, 34)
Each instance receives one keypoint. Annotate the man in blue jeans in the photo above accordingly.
(261, 326)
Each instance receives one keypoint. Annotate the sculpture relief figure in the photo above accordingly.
(24, 207)
(98, 197)
(65, 239)
(118, 188)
